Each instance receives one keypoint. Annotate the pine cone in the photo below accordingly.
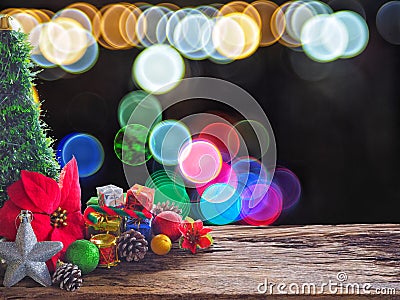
(68, 276)
(132, 245)
(165, 206)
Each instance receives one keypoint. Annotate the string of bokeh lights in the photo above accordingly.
(70, 37)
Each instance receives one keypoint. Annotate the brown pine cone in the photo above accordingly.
(68, 276)
(132, 245)
(165, 206)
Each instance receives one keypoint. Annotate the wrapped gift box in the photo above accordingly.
(143, 226)
(139, 197)
(106, 224)
(110, 195)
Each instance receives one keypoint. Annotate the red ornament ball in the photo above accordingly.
(167, 223)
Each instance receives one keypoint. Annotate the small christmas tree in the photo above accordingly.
(23, 141)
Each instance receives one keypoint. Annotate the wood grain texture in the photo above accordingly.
(244, 257)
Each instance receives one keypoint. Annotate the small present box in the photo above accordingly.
(139, 197)
(92, 201)
(110, 195)
(106, 224)
(143, 226)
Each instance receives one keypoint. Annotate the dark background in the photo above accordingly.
(336, 125)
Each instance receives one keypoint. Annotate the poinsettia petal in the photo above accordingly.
(42, 227)
(68, 234)
(52, 262)
(198, 225)
(186, 244)
(59, 235)
(204, 242)
(8, 214)
(184, 227)
(193, 248)
(75, 227)
(18, 196)
(204, 231)
(69, 186)
(41, 190)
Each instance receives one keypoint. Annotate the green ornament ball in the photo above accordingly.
(84, 254)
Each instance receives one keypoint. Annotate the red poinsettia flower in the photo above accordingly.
(194, 235)
(56, 208)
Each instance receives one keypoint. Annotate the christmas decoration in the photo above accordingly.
(27, 257)
(140, 197)
(167, 223)
(110, 195)
(143, 226)
(107, 245)
(83, 254)
(44, 196)
(23, 142)
(105, 224)
(194, 235)
(165, 206)
(132, 245)
(92, 211)
(68, 277)
(161, 244)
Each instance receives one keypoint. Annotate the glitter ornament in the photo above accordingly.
(161, 244)
(84, 254)
(26, 256)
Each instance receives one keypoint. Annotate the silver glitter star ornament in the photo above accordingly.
(26, 256)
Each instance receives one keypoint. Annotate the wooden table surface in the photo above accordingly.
(354, 261)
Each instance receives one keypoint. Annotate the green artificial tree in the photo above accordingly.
(24, 144)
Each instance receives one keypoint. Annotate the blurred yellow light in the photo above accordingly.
(63, 41)
(170, 6)
(39, 15)
(241, 7)
(11, 11)
(77, 15)
(236, 35)
(127, 24)
(279, 25)
(27, 21)
(110, 25)
(228, 37)
(266, 10)
(88, 9)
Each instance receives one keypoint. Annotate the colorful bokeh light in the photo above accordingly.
(200, 161)
(220, 204)
(130, 145)
(387, 22)
(139, 107)
(261, 204)
(227, 176)
(158, 69)
(166, 140)
(324, 38)
(87, 150)
(289, 186)
(224, 137)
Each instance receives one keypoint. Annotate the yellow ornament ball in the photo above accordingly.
(161, 244)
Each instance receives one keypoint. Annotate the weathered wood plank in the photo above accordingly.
(244, 257)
